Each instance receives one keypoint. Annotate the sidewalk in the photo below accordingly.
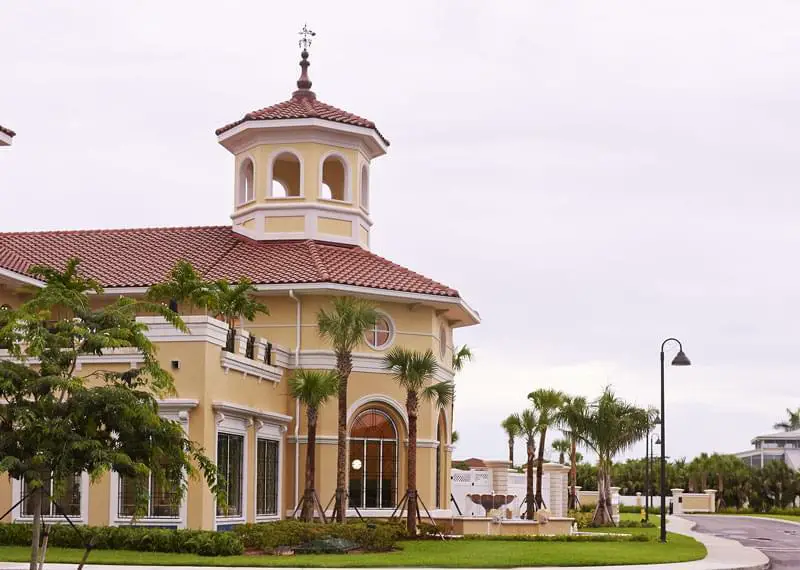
(723, 554)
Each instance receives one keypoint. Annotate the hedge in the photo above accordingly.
(375, 537)
(145, 539)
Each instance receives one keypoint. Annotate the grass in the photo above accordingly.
(427, 553)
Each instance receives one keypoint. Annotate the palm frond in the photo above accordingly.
(313, 387)
(461, 355)
(440, 393)
(346, 324)
(412, 369)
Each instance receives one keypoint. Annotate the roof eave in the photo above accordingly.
(5, 139)
(373, 142)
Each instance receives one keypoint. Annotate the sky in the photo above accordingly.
(593, 177)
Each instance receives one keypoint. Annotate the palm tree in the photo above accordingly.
(699, 468)
(414, 372)
(562, 447)
(461, 355)
(791, 423)
(527, 425)
(609, 427)
(184, 285)
(569, 420)
(511, 426)
(312, 388)
(454, 437)
(235, 301)
(546, 402)
(344, 327)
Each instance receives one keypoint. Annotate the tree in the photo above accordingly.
(55, 424)
(185, 285)
(461, 355)
(344, 327)
(609, 427)
(454, 437)
(312, 388)
(511, 426)
(527, 424)
(235, 301)
(414, 372)
(698, 470)
(569, 420)
(562, 447)
(546, 402)
(792, 421)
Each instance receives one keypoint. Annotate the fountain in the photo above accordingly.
(491, 502)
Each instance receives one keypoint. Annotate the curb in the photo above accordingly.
(784, 521)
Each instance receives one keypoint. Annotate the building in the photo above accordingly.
(781, 446)
(6, 136)
(301, 232)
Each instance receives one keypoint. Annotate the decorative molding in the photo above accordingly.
(126, 355)
(201, 329)
(365, 401)
(232, 409)
(249, 367)
(362, 362)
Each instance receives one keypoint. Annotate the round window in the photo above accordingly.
(442, 341)
(380, 335)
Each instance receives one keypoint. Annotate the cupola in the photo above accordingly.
(302, 168)
(6, 136)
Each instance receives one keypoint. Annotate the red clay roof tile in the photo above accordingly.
(142, 257)
(9, 132)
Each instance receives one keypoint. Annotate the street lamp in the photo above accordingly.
(680, 360)
(648, 460)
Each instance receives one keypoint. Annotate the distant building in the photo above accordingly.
(781, 446)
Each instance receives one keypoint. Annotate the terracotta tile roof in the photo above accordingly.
(9, 132)
(304, 107)
(141, 257)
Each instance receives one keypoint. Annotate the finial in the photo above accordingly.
(304, 83)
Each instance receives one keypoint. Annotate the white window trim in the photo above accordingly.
(176, 410)
(271, 432)
(241, 199)
(233, 425)
(348, 191)
(16, 514)
(392, 333)
(272, 158)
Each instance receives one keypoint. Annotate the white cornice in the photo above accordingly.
(201, 329)
(298, 208)
(21, 278)
(373, 142)
(362, 362)
(129, 356)
(246, 411)
(250, 367)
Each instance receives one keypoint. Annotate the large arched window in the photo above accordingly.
(246, 190)
(287, 176)
(334, 179)
(365, 187)
(373, 461)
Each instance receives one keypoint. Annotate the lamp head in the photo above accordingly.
(681, 359)
(658, 441)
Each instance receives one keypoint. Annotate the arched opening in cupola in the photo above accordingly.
(246, 191)
(334, 179)
(287, 175)
(365, 187)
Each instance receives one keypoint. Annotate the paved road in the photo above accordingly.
(779, 541)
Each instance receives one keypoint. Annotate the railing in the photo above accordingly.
(230, 341)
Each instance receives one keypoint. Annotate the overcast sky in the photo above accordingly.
(592, 176)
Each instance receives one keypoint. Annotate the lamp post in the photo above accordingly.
(648, 460)
(680, 360)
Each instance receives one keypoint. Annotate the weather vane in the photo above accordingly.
(308, 35)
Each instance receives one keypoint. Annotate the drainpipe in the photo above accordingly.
(296, 404)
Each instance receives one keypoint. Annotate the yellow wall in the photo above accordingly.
(335, 227)
(281, 224)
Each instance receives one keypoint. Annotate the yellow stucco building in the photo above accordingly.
(301, 232)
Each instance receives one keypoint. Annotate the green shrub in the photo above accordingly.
(142, 539)
(376, 536)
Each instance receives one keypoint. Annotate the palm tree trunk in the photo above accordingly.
(573, 473)
(307, 514)
(37, 528)
(540, 470)
(344, 365)
(602, 512)
(511, 450)
(529, 497)
(411, 409)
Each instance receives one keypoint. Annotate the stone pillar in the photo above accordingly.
(498, 474)
(712, 500)
(558, 478)
(615, 503)
(677, 501)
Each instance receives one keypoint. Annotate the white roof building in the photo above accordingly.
(783, 446)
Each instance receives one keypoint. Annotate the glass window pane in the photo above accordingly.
(357, 475)
(389, 475)
(126, 500)
(163, 499)
(230, 457)
(372, 475)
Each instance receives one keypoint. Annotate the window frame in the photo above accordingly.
(347, 189)
(241, 195)
(392, 330)
(270, 174)
(396, 442)
(268, 440)
(17, 488)
(242, 511)
(149, 515)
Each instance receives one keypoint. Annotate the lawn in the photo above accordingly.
(429, 553)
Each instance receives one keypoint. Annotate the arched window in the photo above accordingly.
(246, 190)
(365, 187)
(334, 179)
(373, 461)
(287, 176)
(440, 460)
